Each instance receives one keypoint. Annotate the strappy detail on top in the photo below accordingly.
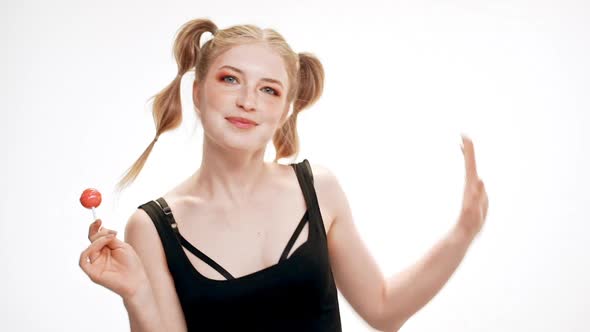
(185, 243)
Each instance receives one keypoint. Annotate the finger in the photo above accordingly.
(93, 228)
(113, 244)
(93, 249)
(94, 270)
(94, 256)
(469, 156)
(482, 186)
(485, 206)
(102, 232)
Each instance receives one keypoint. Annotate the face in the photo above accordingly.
(242, 100)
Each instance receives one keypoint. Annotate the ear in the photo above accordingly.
(196, 99)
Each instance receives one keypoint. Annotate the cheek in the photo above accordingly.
(273, 120)
(218, 101)
(217, 98)
(276, 110)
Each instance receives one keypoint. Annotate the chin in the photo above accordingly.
(241, 142)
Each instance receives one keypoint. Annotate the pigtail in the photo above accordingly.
(310, 84)
(167, 111)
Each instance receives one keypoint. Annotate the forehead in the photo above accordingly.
(255, 60)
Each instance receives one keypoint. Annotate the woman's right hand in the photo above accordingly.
(112, 263)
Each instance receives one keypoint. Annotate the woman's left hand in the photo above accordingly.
(475, 199)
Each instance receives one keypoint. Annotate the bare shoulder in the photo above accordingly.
(331, 197)
(141, 234)
(324, 179)
(139, 227)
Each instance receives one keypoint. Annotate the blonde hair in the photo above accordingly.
(305, 73)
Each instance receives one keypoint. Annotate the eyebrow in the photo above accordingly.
(271, 80)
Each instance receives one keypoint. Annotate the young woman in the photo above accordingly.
(247, 245)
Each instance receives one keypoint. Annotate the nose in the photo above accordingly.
(247, 99)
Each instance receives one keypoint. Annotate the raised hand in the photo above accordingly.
(112, 263)
(475, 199)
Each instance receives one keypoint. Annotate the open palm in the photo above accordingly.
(475, 199)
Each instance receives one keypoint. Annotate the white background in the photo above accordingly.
(403, 80)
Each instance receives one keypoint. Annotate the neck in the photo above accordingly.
(232, 176)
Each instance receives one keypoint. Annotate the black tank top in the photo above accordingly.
(296, 294)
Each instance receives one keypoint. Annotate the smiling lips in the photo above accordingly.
(241, 122)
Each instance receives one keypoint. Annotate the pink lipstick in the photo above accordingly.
(242, 123)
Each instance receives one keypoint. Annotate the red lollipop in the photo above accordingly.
(91, 199)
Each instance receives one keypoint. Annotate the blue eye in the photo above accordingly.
(272, 91)
(227, 77)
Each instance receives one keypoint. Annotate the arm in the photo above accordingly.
(142, 310)
(410, 290)
(152, 308)
(383, 304)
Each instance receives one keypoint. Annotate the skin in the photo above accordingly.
(229, 195)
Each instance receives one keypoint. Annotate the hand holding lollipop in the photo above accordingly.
(109, 261)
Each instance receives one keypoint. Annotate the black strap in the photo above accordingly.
(172, 222)
(305, 178)
(307, 170)
(294, 237)
(168, 239)
(205, 258)
(168, 213)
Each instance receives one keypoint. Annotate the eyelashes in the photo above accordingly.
(225, 77)
(232, 79)
(272, 91)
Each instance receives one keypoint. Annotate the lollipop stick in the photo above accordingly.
(94, 213)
